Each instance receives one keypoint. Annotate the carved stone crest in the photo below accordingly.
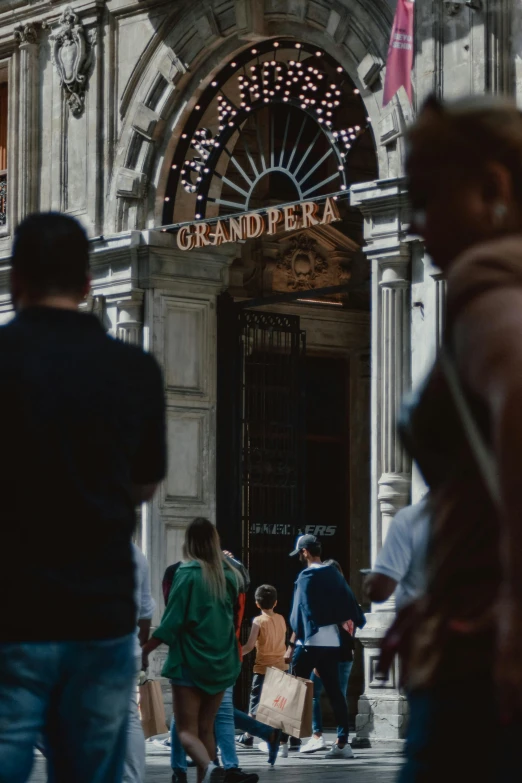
(302, 264)
(72, 51)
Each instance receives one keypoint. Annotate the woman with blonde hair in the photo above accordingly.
(465, 430)
(203, 658)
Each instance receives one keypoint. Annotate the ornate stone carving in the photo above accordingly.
(301, 264)
(26, 34)
(72, 50)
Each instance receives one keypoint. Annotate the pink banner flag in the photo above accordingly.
(400, 52)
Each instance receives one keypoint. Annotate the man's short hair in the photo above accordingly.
(51, 254)
(314, 549)
(266, 596)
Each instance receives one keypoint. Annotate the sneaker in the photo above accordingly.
(340, 753)
(238, 776)
(314, 744)
(214, 774)
(179, 776)
(283, 750)
(263, 747)
(245, 741)
(164, 743)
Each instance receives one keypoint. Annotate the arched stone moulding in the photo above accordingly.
(162, 91)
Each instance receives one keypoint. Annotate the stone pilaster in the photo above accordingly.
(382, 708)
(27, 131)
(394, 327)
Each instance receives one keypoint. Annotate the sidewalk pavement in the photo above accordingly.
(367, 766)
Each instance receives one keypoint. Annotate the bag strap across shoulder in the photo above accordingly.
(481, 452)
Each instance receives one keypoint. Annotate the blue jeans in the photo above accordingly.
(326, 660)
(225, 736)
(227, 720)
(75, 694)
(345, 668)
(245, 723)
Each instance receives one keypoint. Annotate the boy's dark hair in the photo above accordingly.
(51, 254)
(266, 596)
(314, 549)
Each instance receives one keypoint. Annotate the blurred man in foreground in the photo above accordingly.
(83, 443)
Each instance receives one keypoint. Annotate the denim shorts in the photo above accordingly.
(185, 679)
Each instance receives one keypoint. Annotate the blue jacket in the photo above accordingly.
(322, 597)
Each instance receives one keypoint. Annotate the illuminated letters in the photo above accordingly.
(255, 225)
(291, 219)
(221, 234)
(273, 217)
(201, 232)
(185, 239)
(331, 212)
(310, 210)
(235, 229)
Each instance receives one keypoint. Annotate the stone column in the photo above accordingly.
(382, 708)
(129, 327)
(27, 131)
(440, 306)
(394, 327)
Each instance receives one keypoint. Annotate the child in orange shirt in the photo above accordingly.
(268, 636)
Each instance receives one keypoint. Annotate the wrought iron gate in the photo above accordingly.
(261, 440)
(272, 442)
(271, 426)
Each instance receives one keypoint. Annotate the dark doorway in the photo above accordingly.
(283, 451)
(327, 480)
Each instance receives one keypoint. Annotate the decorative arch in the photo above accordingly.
(283, 107)
(182, 59)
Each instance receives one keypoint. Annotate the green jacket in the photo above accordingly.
(199, 631)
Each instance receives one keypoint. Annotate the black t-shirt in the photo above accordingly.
(83, 419)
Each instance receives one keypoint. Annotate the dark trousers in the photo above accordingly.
(326, 661)
(465, 710)
(255, 693)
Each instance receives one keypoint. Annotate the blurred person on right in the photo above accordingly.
(464, 662)
(400, 566)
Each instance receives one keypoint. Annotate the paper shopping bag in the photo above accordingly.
(286, 703)
(152, 709)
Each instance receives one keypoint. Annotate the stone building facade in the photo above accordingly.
(143, 116)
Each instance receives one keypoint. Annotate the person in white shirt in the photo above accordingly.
(134, 768)
(400, 565)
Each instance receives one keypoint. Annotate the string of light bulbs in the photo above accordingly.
(303, 83)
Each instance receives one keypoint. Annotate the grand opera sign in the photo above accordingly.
(254, 224)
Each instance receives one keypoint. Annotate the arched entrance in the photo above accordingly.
(282, 133)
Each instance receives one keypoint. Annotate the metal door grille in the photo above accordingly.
(272, 348)
(271, 427)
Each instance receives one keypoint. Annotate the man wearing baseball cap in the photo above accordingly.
(322, 602)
